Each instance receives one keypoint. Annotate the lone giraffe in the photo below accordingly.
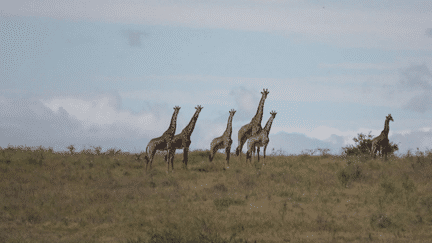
(261, 139)
(163, 142)
(381, 142)
(182, 140)
(224, 141)
(252, 127)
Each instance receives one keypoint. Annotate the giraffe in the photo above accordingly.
(260, 139)
(182, 140)
(223, 141)
(162, 142)
(381, 142)
(252, 127)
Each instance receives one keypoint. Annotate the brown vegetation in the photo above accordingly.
(90, 196)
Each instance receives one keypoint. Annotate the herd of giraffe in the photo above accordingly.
(253, 133)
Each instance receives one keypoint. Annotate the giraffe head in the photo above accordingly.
(232, 111)
(273, 113)
(199, 108)
(176, 109)
(390, 118)
(265, 93)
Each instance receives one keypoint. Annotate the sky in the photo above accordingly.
(109, 72)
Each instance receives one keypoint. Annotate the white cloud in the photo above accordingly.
(104, 111)
(325, 133)
(384, 90)
(185, 96)
(98, 121)
(412, 140)
(367, 89)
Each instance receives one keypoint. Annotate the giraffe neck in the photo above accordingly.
(191, 126)
(173, 124)
(386, 127)
(228, 130)
(259, 115)
(267, 127)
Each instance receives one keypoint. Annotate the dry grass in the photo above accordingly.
(95, 197)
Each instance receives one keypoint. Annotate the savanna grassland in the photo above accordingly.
(90, 196)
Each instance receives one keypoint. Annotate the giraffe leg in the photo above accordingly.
(146, 159)
(172, 159)
(385, 152)
(168, 159)
(258, 150)
(185, 156)
(265, 148)
(240, 146)
(251, 157)
(210, 154)
(213, 149)
(248, 154)
(227, 151)
(152, 153)
(374, 150)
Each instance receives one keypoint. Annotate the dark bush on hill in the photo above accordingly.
(363, 145)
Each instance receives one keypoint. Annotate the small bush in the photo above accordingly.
(408, 184)
(223, 203)
(388, 187)
(351, 172)
(427, 203)
(220, 187)
(165, 236)
(71, 149)
(113, 152)
(170, 182)
(97, 150)
(380, 221)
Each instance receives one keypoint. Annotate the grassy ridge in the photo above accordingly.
(108, 197)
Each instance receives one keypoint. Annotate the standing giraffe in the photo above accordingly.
(162, 142)
(223, 141)
(182, 140)
(252, 127)
(261, 139)
(381, 142)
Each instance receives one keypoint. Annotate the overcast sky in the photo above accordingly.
(108, 73)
